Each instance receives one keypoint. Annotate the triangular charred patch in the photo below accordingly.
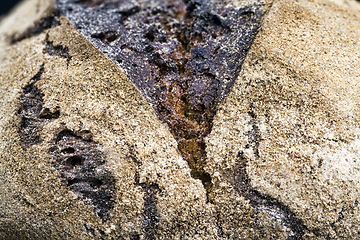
(183, 56)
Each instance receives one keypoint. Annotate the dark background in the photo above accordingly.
(6, 5)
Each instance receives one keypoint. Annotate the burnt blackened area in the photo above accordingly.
(56, 50)
(90, 3)
(150, 214)
(183, 56)
(106, 37)
(33, 116)
(31, 112)
(82, 169)
(31, 103)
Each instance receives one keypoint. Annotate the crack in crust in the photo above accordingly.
(183, 56)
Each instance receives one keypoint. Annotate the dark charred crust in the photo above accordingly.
(106, 37)
(30, 107)
(183, 56)
(90, 3)
(56, 50)
(82, 169)
(150, 215)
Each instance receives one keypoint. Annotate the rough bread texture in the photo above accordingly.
(290, 127)
(84, 153)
